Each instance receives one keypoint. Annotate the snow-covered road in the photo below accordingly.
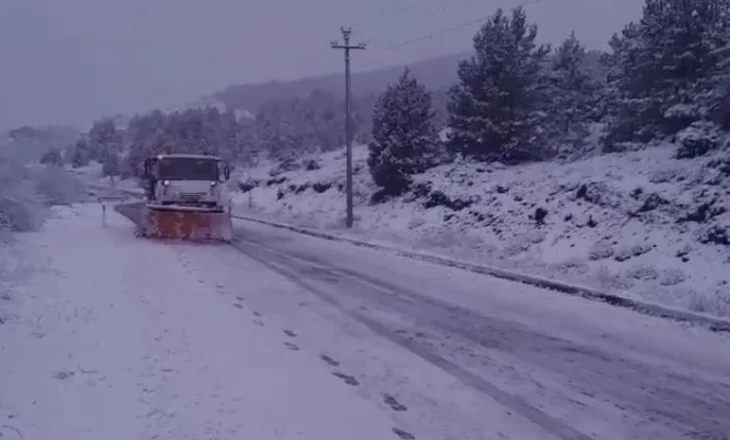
(118, 338)
(282, 334)
(575, 368)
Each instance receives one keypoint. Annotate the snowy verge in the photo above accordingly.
(710, 322)
(641, 225)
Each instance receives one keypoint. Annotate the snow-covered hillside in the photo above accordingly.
(641, 224)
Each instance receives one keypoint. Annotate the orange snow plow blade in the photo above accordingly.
(178, 222)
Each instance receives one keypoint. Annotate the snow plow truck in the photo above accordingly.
(185, 198)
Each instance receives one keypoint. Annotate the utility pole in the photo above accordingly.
(346, 32)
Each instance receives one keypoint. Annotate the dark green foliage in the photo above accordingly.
(405, 140)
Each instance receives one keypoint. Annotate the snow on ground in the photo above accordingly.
(641, 224)
(118, 338)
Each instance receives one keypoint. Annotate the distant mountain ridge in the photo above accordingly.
(436, 73)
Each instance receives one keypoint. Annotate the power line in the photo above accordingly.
(384, 10)
(433, 12)
(455, 27)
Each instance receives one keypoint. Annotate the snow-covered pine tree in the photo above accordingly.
(277, 131)
(713, 96)
(103, 139)
(572, 95)
(495, 112)
(79, 154)
(659, 64)
(112, 164)
(146, 134)
(405, 140)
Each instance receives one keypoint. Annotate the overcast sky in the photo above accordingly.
(69, 61)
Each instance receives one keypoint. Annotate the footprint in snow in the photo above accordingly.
(256, 314)
(239, 298)
(259, 323)
(290, 333)
(238, 305)
(404, 435)
(393, 403)
(292, 347)
(329, 360)
(350, 380)
(63, 375)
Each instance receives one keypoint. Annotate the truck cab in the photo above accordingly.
(187, 179)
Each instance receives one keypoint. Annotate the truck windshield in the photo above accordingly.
(184, 168)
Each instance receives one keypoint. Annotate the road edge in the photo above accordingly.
(711, 323)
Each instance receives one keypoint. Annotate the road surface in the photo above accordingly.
(363, 340)
(576, 368)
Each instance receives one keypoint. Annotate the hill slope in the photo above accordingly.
(642, 223)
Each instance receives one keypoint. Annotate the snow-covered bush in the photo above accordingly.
(21, 209)
(25, 193)
(697, 140)
(52, 157)
(57, 186)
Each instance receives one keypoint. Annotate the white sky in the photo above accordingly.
(70, 61)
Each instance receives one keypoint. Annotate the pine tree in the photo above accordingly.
(495, 111)
(404, 136)
(104, 139)
(112, 164)
(713, 96)
(573, 92)
(660, 65)
(79, 154)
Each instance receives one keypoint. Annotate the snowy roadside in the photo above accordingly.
(121, 338)
(639, 225)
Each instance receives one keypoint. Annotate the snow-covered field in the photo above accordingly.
(117, 338)
(641, 224)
